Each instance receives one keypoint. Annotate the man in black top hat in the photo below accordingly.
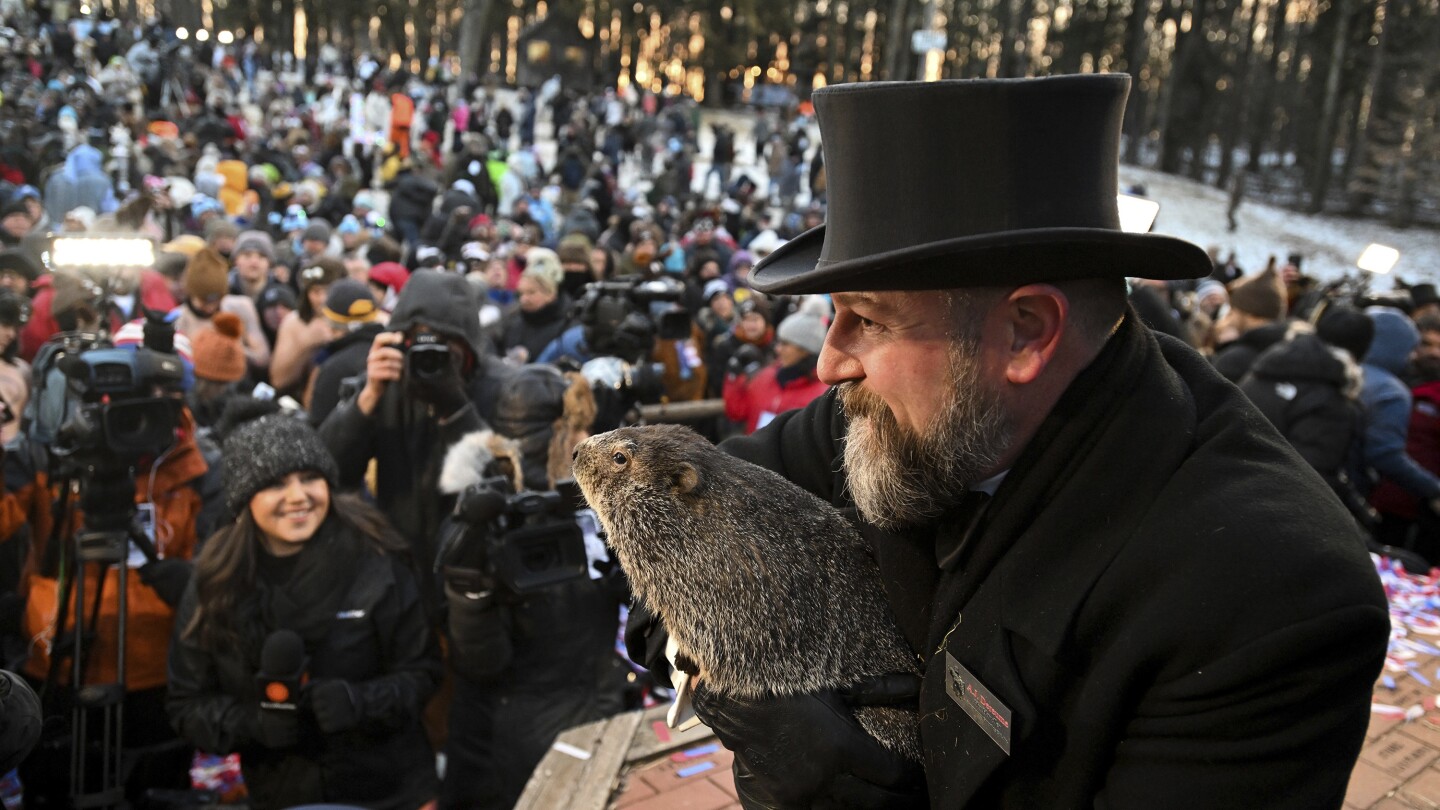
(1122, 587)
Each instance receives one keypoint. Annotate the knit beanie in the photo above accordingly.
(1261, 295)
(258, 241)
(207, 274)
(220, 229)
(575, 249)
(218, 353)
(260, 453)
(349, 302)
(804, 330)
(542, 266)
(317, 231)
(323, 270)
(1347, 328)
(392, 275)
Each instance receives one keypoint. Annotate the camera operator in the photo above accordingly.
(174, 497)
(528, 664)
(409, 411)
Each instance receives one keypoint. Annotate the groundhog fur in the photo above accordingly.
(767, 589)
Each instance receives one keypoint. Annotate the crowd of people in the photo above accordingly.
(319, 230)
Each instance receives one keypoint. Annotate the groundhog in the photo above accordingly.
(767, 589)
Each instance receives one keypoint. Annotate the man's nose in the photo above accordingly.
(835, 366)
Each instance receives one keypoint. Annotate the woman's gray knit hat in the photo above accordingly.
(260, 453)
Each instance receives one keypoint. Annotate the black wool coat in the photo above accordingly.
(1171, 604)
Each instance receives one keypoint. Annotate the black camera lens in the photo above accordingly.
(428, 359)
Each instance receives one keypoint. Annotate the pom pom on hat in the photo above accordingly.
(218, 353)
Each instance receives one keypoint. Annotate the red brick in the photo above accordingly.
(695, 794)
(634, 790)
(1368, 785)
(1400, 755)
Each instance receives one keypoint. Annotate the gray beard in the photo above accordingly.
(899, 477)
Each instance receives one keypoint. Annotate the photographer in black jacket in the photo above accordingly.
(427, 383)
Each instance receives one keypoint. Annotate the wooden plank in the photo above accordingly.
(603, 775)
(563, 781)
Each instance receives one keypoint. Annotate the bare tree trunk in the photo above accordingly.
(1325, 138)
(897, 25)
(1258, 131)
(473, 36)
(1239, 107)
(1136, 55)
(1359, 146)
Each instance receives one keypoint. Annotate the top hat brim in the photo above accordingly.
(1009, 257)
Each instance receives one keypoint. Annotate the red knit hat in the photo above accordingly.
(218, 353)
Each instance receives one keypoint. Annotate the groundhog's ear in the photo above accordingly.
(687, 479)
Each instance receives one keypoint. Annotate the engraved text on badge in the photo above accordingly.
(978, 702)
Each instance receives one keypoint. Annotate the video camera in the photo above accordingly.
(514, 543)
(622, 320)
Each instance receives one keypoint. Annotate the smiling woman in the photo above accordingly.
(320, 582)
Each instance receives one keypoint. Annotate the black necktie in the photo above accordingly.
(957, 527)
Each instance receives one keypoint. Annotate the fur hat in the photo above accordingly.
(542, 266)
(258, 241)
(1261, 295)
(217, 350)
(260, 453)
(803, 330)
(207, 274)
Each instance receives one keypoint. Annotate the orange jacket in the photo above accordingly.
(177, 506)
(402, 115)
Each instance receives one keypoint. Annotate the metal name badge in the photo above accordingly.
(978, 702)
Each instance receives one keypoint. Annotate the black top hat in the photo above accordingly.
(974, 182)
(1423, 294)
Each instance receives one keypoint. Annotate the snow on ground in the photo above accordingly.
(1330, 244)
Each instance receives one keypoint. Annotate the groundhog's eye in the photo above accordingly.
(620, 459)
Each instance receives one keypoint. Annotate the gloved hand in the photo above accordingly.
(276, 728)
(805, 751)
(332, 702)
(745, 361)
(168, 578)
(444, 388)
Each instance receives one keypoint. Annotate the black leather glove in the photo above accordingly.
(745, 361)
(276, 728)
(443, 388)
(167, 578)
(333, 704)
(808, 751)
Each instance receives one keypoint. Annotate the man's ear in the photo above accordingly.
(687, 479)
(1038, 315)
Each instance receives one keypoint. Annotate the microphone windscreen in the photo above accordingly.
(283, 654)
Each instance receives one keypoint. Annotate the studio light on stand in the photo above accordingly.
(1378, 259)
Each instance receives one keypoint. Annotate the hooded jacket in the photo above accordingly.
(1310, 392)
(1423, 445)
(1387, 407)
(82, 181)
(407, 440)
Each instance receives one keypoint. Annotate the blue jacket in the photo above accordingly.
(1387, 406)
(82, 181)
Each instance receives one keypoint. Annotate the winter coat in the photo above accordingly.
(1310, 392)
(82, 181)
(187, 498)
(1387, 408)
(407, 441)
(378, 641)
(1422, 445)
(153, 293)
(535, 330)
(412, 197)
(342, 359)
(1234, 359)
(758, 400)
(1140, 593)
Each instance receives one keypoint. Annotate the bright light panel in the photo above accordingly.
(1378, 259)
(1137, 214)
(102, 252)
